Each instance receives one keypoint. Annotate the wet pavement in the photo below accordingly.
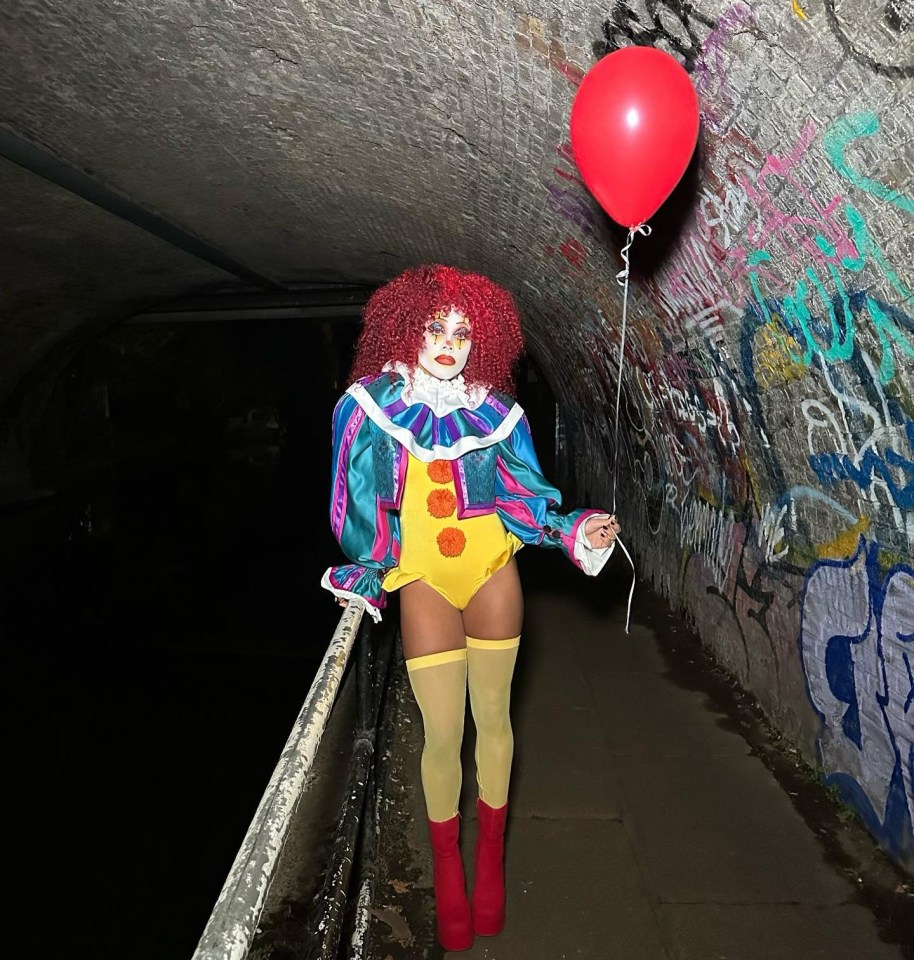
(653, 812)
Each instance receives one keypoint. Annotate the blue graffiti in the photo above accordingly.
(780, 315)
(834, 337)
(857, 646)
(832, 468)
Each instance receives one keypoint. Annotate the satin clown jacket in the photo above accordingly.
(486, 436)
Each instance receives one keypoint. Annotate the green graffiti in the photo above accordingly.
(795, 315)
(864, 245)
(842, 349)
(886, 328)
(837, 139)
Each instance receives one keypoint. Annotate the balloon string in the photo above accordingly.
(622, 278)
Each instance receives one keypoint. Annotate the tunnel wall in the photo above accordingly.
(766, 439)
(767, 479)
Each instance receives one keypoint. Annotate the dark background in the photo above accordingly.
(162, 620)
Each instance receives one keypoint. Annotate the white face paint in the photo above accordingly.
(447, 345)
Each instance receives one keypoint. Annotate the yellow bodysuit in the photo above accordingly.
(453, 556)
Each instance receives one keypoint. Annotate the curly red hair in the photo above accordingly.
(396, 315)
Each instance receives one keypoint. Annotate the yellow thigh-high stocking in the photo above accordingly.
(490, 667)
(439, 682)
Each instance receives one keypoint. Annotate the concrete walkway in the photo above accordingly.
(641, 827)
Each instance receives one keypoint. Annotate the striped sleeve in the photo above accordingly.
(529, 506)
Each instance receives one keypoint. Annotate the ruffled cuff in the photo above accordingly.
(591, 559)
(357, 583)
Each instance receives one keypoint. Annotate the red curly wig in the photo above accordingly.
(396, 315)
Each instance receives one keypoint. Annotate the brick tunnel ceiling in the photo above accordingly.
(768, 420)
(348, 141)
(303, 140)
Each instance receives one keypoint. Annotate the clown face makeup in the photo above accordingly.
(447, 345)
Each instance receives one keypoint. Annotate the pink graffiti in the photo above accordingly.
(796, 234)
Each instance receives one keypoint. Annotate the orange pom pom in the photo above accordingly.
(451, 542)
(440, 471)
(441, 503)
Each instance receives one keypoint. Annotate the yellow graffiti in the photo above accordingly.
(798, 10)
(702, 493)
(845, 543)
(889, 559)
(752, 476)
(537, 27)
(774, 364)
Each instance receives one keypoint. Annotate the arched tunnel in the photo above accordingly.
(200, 195)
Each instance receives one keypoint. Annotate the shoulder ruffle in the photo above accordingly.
(427, 436)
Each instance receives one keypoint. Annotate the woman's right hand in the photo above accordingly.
(601, 531)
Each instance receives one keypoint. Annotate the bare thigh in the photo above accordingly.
(428, 623)
(496, 611)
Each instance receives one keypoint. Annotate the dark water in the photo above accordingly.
(161, 628)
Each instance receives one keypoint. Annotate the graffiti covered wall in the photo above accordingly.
(766, 435)
(767, 440)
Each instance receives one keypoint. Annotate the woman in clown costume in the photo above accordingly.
(435, 487)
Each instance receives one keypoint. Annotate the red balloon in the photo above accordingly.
(634, 126)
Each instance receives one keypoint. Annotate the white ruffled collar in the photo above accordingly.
(440, 396)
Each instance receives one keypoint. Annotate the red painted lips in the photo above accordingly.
(445, 360)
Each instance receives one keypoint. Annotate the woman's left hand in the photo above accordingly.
(601, 531)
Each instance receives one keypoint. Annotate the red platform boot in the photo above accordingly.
(489, 883)
(452, 908)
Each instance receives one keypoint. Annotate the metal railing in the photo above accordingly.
(352, 864)
(231, 928)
